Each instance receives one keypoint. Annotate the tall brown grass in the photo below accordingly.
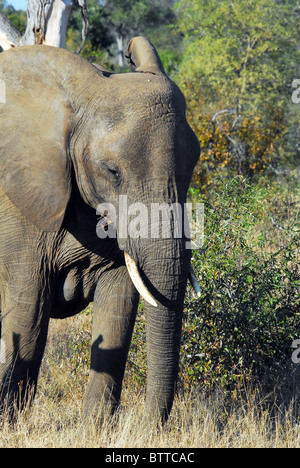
(196, 420)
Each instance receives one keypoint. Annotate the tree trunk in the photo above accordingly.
(46, 24)
(56, 27)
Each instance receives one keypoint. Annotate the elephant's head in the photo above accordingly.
(118, 136)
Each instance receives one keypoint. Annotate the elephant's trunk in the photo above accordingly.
(163, 342)
(163, 263)
(165, 275)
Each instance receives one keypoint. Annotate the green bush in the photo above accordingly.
(245, 322)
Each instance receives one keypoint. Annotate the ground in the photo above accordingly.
(196, 420)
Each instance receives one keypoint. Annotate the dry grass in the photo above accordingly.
(55, 418)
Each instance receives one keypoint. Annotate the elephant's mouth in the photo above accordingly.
(143, 290)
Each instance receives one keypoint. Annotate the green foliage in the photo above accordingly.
(17, 17)
(248, 315)
(99, 34)
(230, 43)
(134, 16)
(243, 326)
(170, 59)
(239, 61)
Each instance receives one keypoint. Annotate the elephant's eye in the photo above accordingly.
(112, 171)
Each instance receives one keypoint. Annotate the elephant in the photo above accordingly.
(73, 137)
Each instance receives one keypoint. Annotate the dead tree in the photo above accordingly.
(47, 22)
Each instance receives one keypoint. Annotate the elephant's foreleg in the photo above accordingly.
(23, 335)
(115, 306)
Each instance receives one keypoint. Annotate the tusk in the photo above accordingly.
(194, 282)
(137, 280)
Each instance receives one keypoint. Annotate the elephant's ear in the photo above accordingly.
(143, 57)
(34, 128)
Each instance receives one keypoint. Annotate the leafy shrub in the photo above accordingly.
(248, 314)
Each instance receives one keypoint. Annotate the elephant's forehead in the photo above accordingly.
(145, 91)
(138, 110)
(147, 122)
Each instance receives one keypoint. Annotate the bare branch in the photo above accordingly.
(9, 35)
(84, 17)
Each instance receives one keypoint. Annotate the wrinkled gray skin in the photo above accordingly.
(72, 136)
